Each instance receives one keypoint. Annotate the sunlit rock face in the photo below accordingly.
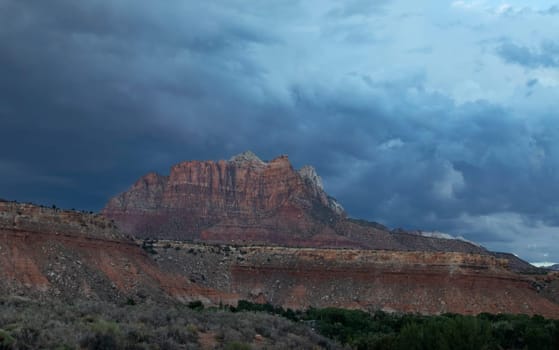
(243, 199)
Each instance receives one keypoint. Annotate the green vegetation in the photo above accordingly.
(380, 330)
(237, 346)
(196, 305)
(6, 340)
(28, 324)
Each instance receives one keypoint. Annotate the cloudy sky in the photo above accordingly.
(439, 115)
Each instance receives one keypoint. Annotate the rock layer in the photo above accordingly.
(243, 199)
(47, 252)
(248, 201)
(424, 282)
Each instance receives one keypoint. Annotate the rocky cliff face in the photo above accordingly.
(48, 253)
(245, 200)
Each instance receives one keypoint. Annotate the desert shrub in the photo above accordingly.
(228, 333)
(27, 338)
(6, 340)
(191, 328)
(263, 331)
(137, 335)
(106, 335)
(236, 345)
(181, 335)
(90, 324)
(196, 305)
(99, 341)
(103, 326)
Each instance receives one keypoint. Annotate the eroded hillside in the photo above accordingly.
(47, 252)
(425, 282)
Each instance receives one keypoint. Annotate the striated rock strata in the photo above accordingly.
(47, 252)
(286, 226)
(246, 200)
(243, 199)
(424, 282)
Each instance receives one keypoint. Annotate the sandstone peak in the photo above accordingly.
(256, 200)
(308, 172)
(247, 157)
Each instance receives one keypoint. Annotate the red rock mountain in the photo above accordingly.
(245, 200)
(242, 200)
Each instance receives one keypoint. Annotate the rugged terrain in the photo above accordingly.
(269, 233)
(46, 252)
(93, 324)
(424, 282)
(260, 231)
(248, 201)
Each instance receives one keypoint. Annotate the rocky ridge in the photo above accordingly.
(47, 252)
(248, 201)
(243, 199)
(413, 281)
(27, 217)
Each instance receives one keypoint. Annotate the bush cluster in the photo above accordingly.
(28, 324)
(380, 330)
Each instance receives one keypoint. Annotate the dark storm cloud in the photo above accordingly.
(83, 87)
(422, 168)
(547, 55)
